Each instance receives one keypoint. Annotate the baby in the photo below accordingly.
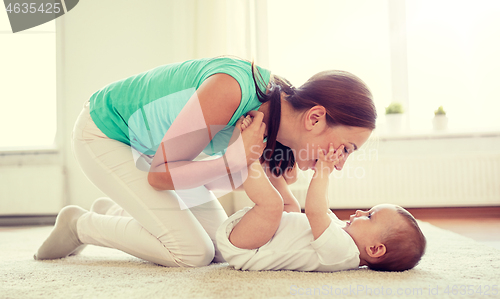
(263, 237)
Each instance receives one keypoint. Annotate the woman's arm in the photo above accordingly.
(207, 112)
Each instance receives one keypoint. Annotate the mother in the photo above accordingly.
(137, 140)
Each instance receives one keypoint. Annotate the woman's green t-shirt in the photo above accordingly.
(139, 110)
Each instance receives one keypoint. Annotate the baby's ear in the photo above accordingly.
(376, 251)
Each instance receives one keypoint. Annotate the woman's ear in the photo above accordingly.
(315, 116)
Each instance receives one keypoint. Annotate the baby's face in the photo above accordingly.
(368, 226)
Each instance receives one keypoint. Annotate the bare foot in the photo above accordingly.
(246, 122)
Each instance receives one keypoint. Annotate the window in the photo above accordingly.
(453, 61)
(451, 53)
(28, 85)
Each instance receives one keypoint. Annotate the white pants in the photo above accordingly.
(146, 223)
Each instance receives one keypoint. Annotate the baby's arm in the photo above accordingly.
(290, 203)
(317, 205)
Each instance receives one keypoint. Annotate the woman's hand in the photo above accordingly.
(253, 137)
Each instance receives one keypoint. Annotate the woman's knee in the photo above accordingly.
(202, 255)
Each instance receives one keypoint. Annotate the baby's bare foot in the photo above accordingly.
(246, 122)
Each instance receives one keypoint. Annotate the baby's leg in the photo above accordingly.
(259, 224)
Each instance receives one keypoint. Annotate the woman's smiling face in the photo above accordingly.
(306, 148)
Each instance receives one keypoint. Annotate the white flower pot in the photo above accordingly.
(394, 122)
(440, 122)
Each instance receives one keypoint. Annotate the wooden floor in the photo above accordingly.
(484, 230)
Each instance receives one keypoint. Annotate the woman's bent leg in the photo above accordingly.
(210, 215)
(158, 231)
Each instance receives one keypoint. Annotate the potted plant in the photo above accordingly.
(394, 117)
(440, 121)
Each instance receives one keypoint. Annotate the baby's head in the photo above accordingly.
(388, 238)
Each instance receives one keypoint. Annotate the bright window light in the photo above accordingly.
(27, 85)
(452, 53)
(306, 37)
(453, 61)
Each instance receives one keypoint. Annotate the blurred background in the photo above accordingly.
(421, 54)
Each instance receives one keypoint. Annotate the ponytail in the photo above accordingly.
(279, 157)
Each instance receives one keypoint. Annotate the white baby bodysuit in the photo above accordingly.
(292, 247)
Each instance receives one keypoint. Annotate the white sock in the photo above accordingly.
(63, 240)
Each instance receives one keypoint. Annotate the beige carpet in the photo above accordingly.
(451, 260)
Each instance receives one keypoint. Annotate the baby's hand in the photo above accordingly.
(326, 163)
